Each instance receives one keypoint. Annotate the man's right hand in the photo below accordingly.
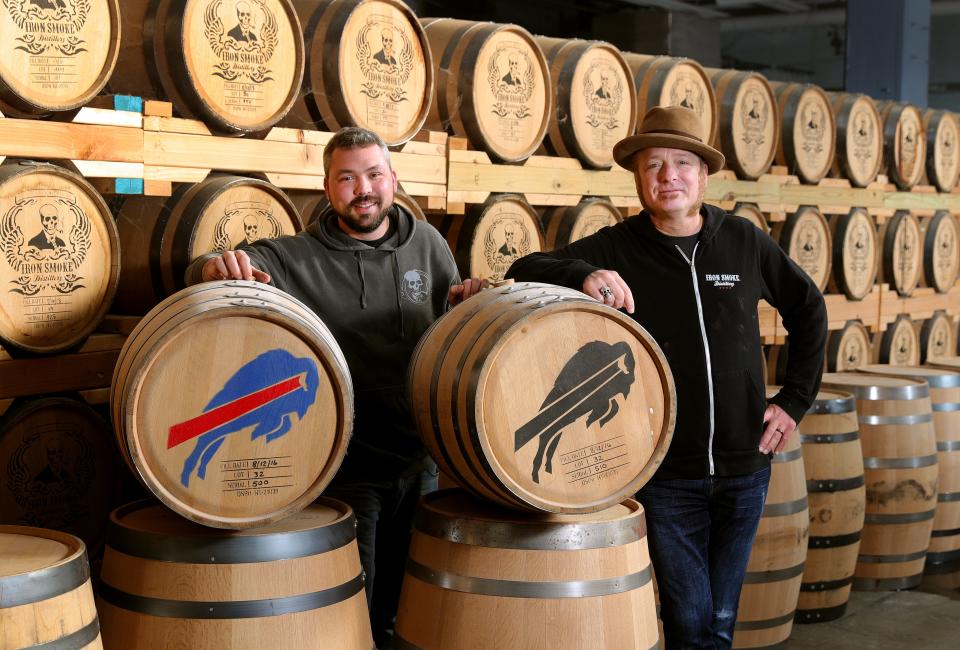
(610, 289)
(232, 265)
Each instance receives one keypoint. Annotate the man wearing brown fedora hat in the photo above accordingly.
(692, 275)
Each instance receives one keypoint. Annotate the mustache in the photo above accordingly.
(366, 197)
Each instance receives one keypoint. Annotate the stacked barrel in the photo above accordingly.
(547, 461)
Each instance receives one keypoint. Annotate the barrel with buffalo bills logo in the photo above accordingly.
(169, 583)
(232, 403)
(539, 398)
(483, 577)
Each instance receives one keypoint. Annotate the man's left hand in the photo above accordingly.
(460, 292)
(778, 428)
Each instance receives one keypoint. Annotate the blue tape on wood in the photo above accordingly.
(128, 185)
(128, 103)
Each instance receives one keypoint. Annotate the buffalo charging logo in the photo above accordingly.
(244, 222)
(603, 95)
(264, 394)
(48, 26)
(386, 57)
(245, 49)
(512, 80)
(587, 386)
(48, 261)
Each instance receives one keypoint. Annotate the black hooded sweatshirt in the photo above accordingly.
(703, 313)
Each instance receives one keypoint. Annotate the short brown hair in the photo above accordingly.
(352, 137)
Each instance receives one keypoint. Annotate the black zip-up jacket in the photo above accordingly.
(703, 313)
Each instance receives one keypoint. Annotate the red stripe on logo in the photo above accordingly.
(180, 433)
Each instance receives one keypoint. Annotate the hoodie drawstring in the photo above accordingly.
(396, 275)
(363, 281)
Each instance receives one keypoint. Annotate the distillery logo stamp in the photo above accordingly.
(264, 394)
(415, 285)
(813, 129)
(49, 25)
(244, 222)
(754, 113)
(909, 141)
(587, 386)
(603, 95)
(853, 354)
(506, 240)
(244, 49)
(512, 80)
(47, 259)
(688, 91)
(386, 56)
(863, 130)
(809, 248)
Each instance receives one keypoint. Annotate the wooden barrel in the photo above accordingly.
(943, 148)
(479, 408)
(55, 57)
(237, 66)
(169, 583)
(943, 556)
(749, 122)
(161, 236)
(901, 257)
(45, 595)
(752, 213)
(272, 375)
(493, 86)
(768, 598)
(805, 236)
(493, 235)
(806, 143)
(567, 224)
(368, 64)
(900, 466)
(594, 104)
(674, 81)
(899, 345)
(61, 258)
(904, 143)
(833, 462)
(855, 254)
(941, 250)
(859, 138)
(482, 577)
(849, 347)
(62, 468)
(938, 337)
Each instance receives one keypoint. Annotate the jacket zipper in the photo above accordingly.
(691, 261)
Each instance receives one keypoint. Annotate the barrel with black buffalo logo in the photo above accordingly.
(170, 583)
(482, 577)
(232, 403)
(540, 398)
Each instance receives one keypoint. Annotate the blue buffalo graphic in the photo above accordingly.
(264, 394)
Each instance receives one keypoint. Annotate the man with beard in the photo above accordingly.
(349, 267)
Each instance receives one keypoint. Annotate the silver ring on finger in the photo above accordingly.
(606, 292)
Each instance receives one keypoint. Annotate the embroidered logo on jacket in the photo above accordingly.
(722, 280)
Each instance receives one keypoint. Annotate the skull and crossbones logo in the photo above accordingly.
(415, 284)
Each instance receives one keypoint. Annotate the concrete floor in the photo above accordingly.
(887, 620)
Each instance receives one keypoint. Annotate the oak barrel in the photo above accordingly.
(904, 143)
(241, 358)
(941, 250)
(849, 347)
(536, 363)
(674, 81)
(749, 122)
(368, 64)
(855, 254)
(567, 224)
(900, 468)
(901, 257)
(45, 594)
(55, 56)
(492, 86)
(943, 148)
(899, 344)
(859, 138)
(943, 556)
(169, 583)
(833, 462)
(61, 257)
(806, 143)
(805, 236)
(493, 235)
(237, 66)
(594, 104)
(938, 337)
(161, 236)
(481, 577)
(771, 585)
(752, 213)
(61, 466)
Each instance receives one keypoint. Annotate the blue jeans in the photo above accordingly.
(700, 533)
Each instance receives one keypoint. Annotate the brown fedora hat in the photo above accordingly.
(675, 127)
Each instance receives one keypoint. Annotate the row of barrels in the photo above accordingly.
(246, 66)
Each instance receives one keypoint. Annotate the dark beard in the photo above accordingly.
(365, 226)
